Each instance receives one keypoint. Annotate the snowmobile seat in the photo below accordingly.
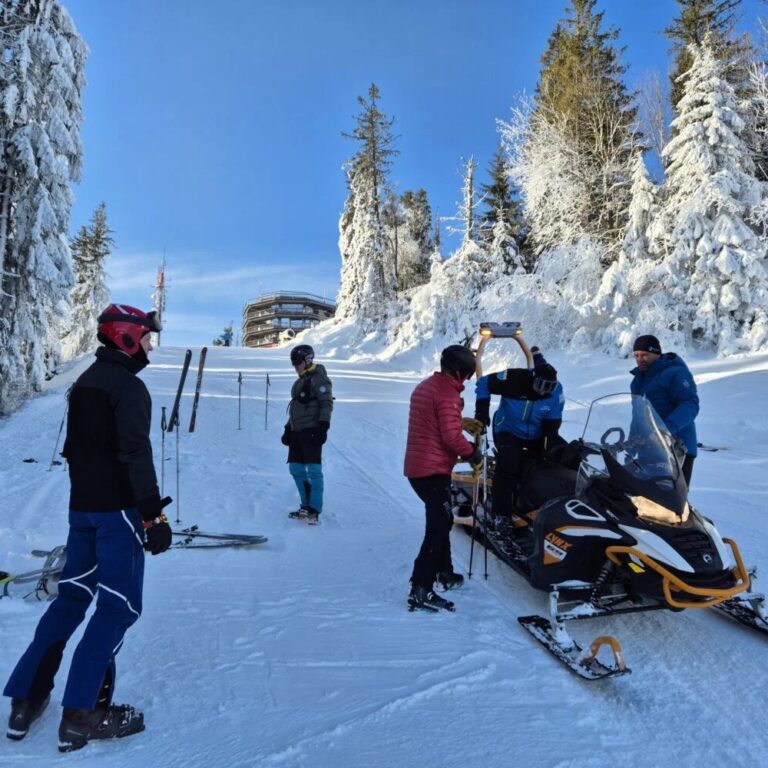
(545, 480)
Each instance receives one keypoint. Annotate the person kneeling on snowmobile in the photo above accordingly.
(526, 424)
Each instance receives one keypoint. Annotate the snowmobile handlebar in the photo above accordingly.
(507, 330)
(670, 581)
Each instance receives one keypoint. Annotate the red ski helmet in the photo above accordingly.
(122, 326)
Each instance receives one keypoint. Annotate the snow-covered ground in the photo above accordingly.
(301, 652)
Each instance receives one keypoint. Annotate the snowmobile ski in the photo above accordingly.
(742, 609)
(245, 539)
(711, 448)
(174, 419)
(200, 367)
(566, 650)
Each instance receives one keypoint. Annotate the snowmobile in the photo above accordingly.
(607, 528)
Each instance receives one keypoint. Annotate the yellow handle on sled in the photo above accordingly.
(613, 643)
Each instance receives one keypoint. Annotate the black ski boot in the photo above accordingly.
(79, 726)
(450, 580)
(423, 599)
(24, 712)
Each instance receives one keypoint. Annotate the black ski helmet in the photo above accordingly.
(303, 353)
(458, 359)
(544, 379)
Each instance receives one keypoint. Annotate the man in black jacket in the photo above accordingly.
(305, 433)
(115, 512)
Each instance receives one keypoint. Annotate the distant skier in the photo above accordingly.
(526, 423)
(664, 379)
(309, 419)
(115, 512)
(435, 444)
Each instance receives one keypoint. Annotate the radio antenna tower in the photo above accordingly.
(159, 295)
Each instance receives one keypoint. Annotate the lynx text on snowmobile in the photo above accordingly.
(608, 529)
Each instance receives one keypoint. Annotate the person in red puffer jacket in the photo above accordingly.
(435, 443)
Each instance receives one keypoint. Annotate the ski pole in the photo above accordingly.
(266, 404)
(484, 443)
(163, 426)
(239, 397)
(178, 473)
(61, 428)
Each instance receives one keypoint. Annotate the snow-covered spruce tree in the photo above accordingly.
(715, 265)
(416, 259)
(581, 93)
(368, 279)
(502, 220)
(41, 81)
(714, 20)
(447, 306)
(90, 249)
(628, 283)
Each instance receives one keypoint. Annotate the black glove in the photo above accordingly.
(286, 438)
(156, 529)
(159, 536)
(322, 431)
(483, 411)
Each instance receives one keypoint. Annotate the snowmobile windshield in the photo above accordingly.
(627, 443)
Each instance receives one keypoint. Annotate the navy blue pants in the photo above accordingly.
(105, 559)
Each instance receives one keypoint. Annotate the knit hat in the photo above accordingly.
(647, 343)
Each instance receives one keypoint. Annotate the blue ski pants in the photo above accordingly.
(105, 559)
(309, 482)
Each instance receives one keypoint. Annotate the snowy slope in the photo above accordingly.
(301, 653)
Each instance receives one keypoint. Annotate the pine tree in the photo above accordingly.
(90, 249)
(581, 92)
(502, 220)
(715, 268)
(41, 80)
(368, 279)
(418, 227)
(696, 20)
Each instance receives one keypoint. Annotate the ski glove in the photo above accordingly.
(483, 411)
(322, 431)
(159, 535)
(286, 438)
(156, 529)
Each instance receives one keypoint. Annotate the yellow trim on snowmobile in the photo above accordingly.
(670, 581)
(614, 645)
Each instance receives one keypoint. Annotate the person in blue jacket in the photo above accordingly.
(525, 425)
(665, 381)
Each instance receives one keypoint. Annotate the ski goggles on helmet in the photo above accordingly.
(544, 386)
(150, 321)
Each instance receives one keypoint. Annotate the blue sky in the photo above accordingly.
(213, 130)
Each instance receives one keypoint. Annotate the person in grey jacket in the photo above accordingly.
(309, 419)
